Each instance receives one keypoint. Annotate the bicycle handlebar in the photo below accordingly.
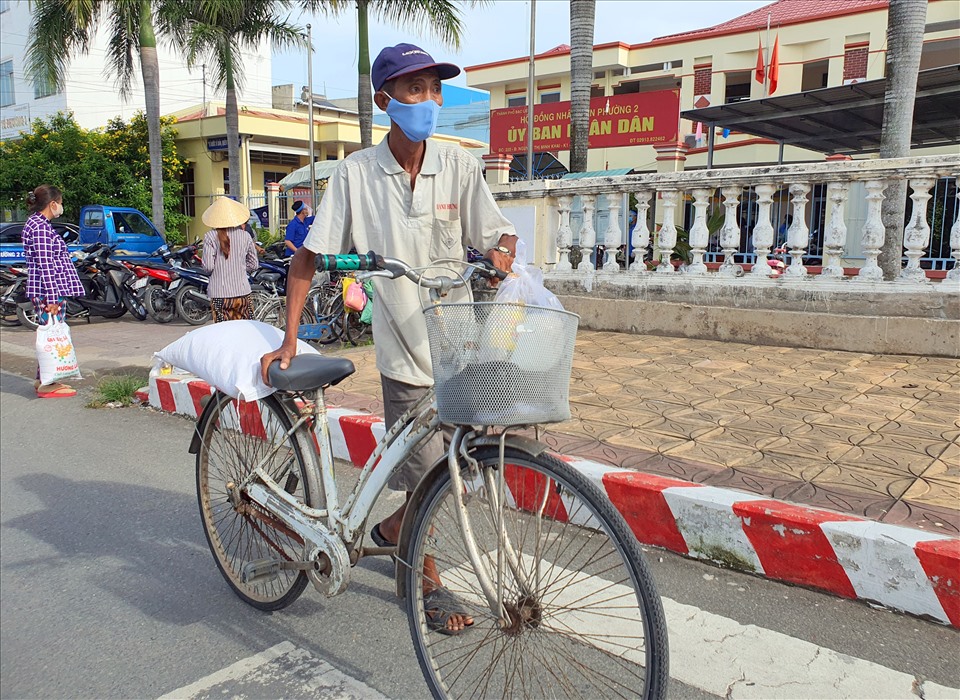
(379, 266)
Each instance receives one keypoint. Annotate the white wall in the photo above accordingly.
(91, 91)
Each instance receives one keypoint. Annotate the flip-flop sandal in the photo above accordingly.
(439, 605)
(379, 539)
(60, 391)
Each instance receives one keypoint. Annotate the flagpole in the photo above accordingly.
(766, 59)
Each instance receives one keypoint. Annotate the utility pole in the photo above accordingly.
(530, 80)
(313, 166)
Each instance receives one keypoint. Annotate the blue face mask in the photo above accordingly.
(418, 121)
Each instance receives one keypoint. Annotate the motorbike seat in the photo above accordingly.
(310, 372)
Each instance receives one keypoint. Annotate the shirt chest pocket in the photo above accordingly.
(446, 239)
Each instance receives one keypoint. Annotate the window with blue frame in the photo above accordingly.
(6, 84)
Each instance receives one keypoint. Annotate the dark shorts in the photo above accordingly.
(398, 397)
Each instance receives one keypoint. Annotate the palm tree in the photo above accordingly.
(217, 32)
(582, 14)
(441, 17)
(905, 25)
(64, 28)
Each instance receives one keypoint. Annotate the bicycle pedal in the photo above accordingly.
(260, 571)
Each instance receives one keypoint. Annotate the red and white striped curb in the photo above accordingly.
(902, 568)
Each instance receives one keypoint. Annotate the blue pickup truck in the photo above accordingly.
(130, 228)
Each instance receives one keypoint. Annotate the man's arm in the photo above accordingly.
(299, 278)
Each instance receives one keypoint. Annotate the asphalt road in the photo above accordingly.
(109, 591)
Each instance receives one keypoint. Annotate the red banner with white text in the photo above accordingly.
(635, 119)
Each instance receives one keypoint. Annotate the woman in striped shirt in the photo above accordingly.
(51, 274)
(229, 255)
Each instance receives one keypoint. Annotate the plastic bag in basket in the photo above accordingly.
(525, 285)
(509, 326)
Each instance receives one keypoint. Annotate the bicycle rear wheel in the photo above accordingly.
(275, 313)
(233, 443)
(355, 330)
(585, 619)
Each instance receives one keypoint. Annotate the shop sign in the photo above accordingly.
(14, 120)
(618, 120)
(219, 143)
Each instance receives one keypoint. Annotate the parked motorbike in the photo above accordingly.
(190, 295)
(108, 287)
(155, 280)
(13, 284)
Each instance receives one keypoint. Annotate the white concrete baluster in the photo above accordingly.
(763, 231)
(730, 232)
(613, 235)
(641, 234)
(668, 231)
(916, 235)
(699, 233)
(835, 237)
(564, 234)
(954, 274)
(588, 237)
(798, 235)
(873, 232)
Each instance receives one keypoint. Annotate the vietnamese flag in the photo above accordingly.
(760, 73)
(775, 65)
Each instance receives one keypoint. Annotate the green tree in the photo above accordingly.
(905, 25)
(582, 15)
(57, 152)
(217, 32)
(442, 18)
(124, 143)
(109, 166)
(64, 28)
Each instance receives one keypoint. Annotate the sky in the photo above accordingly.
(498, 31)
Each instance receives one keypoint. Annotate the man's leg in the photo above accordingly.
(398, 397)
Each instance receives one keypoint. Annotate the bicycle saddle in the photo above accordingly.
(309, 372)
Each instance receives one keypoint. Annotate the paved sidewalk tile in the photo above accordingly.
(871, 435)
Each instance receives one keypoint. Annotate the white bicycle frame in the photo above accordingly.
(401, 440)
(397, 444)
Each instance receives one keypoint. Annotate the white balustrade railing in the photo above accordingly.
(728, 191)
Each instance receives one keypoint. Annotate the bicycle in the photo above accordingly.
(561, 599)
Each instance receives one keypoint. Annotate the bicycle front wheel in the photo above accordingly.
(582, 615)
(234, 441)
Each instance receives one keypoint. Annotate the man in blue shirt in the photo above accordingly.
(297, 228)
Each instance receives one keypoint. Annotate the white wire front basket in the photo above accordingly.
(501, 364)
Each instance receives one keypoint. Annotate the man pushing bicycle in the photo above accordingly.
(418, 200)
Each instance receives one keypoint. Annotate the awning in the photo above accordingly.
(845, 118)
(598, 173)
(301, 176)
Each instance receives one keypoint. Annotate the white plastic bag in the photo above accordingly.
(508, 329)
(525, 285)
(55, 353)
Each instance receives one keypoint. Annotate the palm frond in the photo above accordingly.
(440, 18)
(60, 29)
(123, 49)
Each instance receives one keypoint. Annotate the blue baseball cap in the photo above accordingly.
(401, 59)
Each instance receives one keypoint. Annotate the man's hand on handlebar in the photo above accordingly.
(502, 256)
